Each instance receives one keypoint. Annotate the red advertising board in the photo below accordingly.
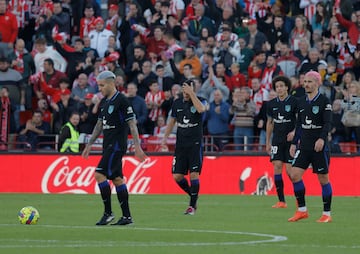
(221, 175)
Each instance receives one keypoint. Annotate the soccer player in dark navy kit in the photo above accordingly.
(187, 112)
(312, 129)
(280, 131)
(115, 119)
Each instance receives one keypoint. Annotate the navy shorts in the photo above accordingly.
(281, 152)
(319, 160)
(187, 159)
(110, 164)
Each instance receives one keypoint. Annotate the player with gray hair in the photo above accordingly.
(115, 118)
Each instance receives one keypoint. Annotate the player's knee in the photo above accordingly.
(295, 174)
(178, 177)
(294, 177)
(277, 170)
(194, 175)
(99, 177)
(323, 179)
(118, 181)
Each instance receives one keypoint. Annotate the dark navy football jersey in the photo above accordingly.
(115, 113)
(283, 114)
(314, 121)
(189, 122)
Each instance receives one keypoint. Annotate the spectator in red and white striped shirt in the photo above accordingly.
(309, 8)
(259, 94)
(153, 99)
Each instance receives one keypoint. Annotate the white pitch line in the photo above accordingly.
(315, 246)
(71, 244)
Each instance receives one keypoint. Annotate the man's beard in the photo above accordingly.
(4, 70)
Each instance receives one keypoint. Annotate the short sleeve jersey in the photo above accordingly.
(115, 113)
(283, 113)
(314, 120)
(189, 123)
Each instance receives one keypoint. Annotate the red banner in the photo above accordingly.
(220, 175)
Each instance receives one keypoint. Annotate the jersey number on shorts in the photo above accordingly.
(274, 149)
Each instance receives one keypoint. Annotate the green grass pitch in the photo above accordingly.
(222, 224)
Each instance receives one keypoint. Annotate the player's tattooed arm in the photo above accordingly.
(139, 153)
(96, 132)
(134, 132)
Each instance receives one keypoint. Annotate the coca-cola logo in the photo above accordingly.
(61, 177)
(137, 182)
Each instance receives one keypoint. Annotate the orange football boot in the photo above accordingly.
(280, 204)
(324, 219)
(299, 216)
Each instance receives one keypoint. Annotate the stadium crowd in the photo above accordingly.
(52, 51)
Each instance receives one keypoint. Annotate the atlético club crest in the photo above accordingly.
(315, 109)
(287, 108)
(111, 109)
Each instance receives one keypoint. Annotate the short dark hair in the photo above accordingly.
(49, 61)
(209, 54)
(74, 113)
(188, 65)
(279, 16)
(64, 80)
(189, 82)
(165, 4)
(37, 111)
(80, 40)
(89, 6)
(152, 81)
(161, 27)
(228, 23)
(4, 59)
(189, 46)
(169, 35)
(140, 47)
(132, 83)
(159, 66)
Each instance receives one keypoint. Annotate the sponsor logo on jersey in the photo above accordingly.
(185, 120)
(309, 124)
(129, 110)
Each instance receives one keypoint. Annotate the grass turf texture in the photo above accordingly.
(222, 224)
